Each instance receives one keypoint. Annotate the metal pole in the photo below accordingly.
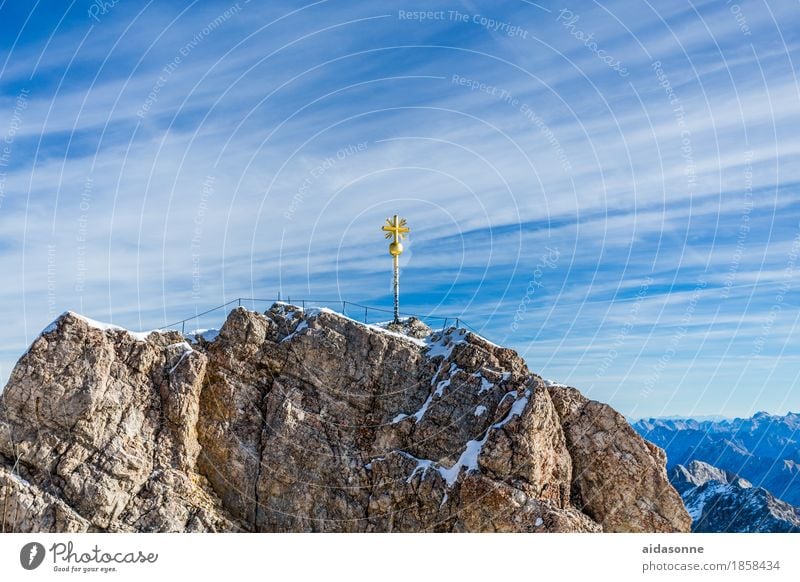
(396, 289)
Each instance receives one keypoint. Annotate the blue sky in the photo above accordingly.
(610, 188)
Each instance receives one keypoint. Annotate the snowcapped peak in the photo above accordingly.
(54, 325)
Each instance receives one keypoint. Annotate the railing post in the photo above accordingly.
(183, 327)
(303, 301)
(239, 300)
(365, 314)
(344, 307)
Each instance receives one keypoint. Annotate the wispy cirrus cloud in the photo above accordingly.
(171, 159)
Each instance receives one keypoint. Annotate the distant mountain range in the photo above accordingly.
(763, 449)
(733, 474)
(721, 501)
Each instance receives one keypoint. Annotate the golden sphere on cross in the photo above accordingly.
(395, 229)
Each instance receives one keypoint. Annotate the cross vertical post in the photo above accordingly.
(396, 271)
(397, 230)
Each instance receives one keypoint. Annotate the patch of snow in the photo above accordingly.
(315, 311)
(551, 384)
(423, 465)
(139, 336)
(368, 466)
(462, 332)
(516, 409)
(696, 502)
(480, 410)
(491, 343)
(441, 347)
(187, 349)
(538, 522)
(52, 327)
(435, 394)
(379, 329)
(468, 460)
(300, 327)
(444, 344)
(452, 370)
(507, 395)
(469, 457)
(311, 312)
(18, 479)
(485, 384)
(423, 409)
(285, 313)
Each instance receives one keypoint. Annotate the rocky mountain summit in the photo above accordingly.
(296, 420)
(720, 501)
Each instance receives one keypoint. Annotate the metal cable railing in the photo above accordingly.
(357, 311)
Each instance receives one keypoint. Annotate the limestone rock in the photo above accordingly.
(619, 479)
(411, 327)
(305, 420)
(27, 508)
(106, 422)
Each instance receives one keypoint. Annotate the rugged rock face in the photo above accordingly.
(606, 451)
(720, 501)
(101, 425)
(309, 421)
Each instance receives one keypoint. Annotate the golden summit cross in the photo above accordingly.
(396, 229)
